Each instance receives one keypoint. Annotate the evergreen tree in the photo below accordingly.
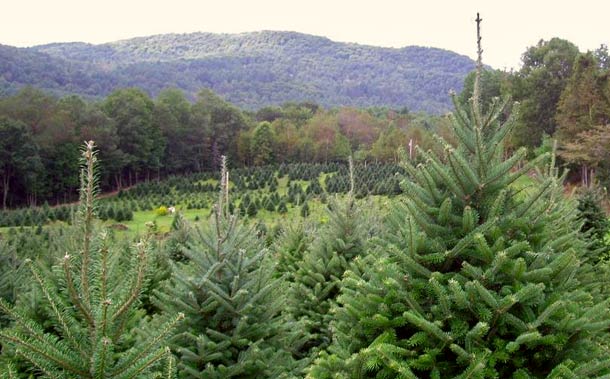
(595, 220)
(282, 208)
(305, 209)
(233, 301)
(475, 278)
(178, 238)
(11, 277)
(290, 247)
(582, 104)
(263, 144)
(269, 205)
(90, 306)
(318, 274)
(252, 209)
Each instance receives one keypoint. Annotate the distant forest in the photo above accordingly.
(251, 70)
(563, 95)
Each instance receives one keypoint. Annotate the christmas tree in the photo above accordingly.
(233, 301)
(595, 220)
(480, 275)
(316, 276)
(92, 306)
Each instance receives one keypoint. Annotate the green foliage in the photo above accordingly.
(493, 84)
(305, 209)
(474, 279)
(91, 304)
(161, 211)
(263, 144)
(11, 276)
(315, 273)
(544, 74)
(582, 104)
(18, 157)
(233, 302)
(290, 248)
(250, 69)
(595, 220)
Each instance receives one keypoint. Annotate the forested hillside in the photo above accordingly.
(250, 70)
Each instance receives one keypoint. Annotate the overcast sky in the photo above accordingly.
(509, 26)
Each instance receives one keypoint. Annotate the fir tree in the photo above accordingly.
(475, 277)
(305, 209)
(317, 276)
(595, 220)
(252, 209)
(269, 205)
(228, 290)
(282, 208)
(11, 277)
(91, 307)
(290, 247)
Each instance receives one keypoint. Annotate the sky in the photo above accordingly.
(508, 27)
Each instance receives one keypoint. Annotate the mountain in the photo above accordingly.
(249, 69)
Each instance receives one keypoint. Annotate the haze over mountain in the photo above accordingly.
(249, 69)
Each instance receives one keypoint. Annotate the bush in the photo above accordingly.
(161, 211)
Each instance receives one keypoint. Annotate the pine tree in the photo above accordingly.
(91, 307)
(476, 277)
(233, 302)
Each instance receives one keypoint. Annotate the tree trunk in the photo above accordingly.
(5, 183)
(584, 171)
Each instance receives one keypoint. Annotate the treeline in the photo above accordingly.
(140, 138)
(563, 95)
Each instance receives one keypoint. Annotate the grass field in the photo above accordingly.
(316, 206)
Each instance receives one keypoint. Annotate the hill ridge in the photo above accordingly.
(250, 69)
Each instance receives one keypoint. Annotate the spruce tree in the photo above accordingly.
(91, 304)
(476, 277)
(233, 302)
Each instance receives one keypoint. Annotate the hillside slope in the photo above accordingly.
(249, 69)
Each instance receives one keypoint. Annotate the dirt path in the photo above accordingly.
(100, 196)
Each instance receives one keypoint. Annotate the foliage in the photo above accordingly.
(251, 70)
(262, 144)
(92, 308)
(316, 276)
(162, 211)
(18, 156)
(595, 220)
(232, 300)
(474, 278)
(142, 139)
(538, 85)
(582, 104)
